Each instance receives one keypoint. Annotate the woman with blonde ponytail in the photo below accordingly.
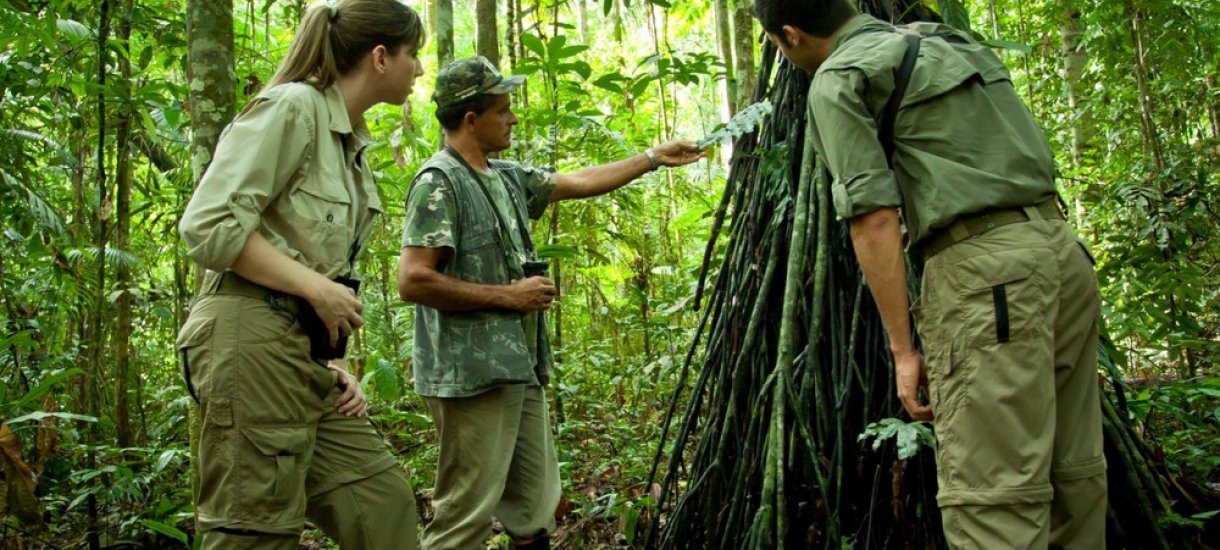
(278, 221)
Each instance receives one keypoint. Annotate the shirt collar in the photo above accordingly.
(340, 123)
(858, 24)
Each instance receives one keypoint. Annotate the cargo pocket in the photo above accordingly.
(276, 469)
(191, 337)
(1000, 295)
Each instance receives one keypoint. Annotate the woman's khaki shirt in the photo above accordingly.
(292, 167)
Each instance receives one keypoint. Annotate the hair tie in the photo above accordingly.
(333, 7)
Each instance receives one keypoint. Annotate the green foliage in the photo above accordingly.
(1184, 417)
(910, 436)
(954, 12)
(627, 263)
(742, 123)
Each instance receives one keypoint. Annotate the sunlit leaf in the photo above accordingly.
(741, 124)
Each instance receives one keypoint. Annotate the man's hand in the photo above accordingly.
(531, 294)
(909, 370)
(338, 308)
(678, 153)
(351, 402)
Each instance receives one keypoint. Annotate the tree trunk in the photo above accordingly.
(122, 336)
(1074, 60)
(488, 44)
(743, 52)
(96, 337)
(724, 41)
(444, 33)
(510, 34)
(1152, 140)
(582, 17)
(211, 81)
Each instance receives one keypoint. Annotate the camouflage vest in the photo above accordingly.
(462, 354)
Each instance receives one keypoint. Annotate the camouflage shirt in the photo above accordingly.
(462, 354)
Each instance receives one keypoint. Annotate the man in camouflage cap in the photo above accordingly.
(481, 357)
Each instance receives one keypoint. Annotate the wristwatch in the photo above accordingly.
(652, 159)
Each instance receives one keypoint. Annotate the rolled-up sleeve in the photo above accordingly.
(256, 158)
(847, 138)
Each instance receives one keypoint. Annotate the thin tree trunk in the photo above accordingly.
(1213, 112)
(728, 86)
(582, 16)
(97, 338)
(488, 44)
(995, 20)
(743, 52)
(122, 336)
(510, 34)
(661, 89)
(211, 79)
(1074, 60)
(1152, 141)
(444, 32)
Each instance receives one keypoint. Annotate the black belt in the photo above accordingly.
(982, 222)
(236, 285)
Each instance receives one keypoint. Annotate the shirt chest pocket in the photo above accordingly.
(321, 220)
(324, 199)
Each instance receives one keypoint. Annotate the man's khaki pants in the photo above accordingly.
(270, 450)
(1009, 322)
(497, 458)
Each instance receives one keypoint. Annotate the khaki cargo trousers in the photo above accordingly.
(497, 458)
(269, 448)
(1009, 323)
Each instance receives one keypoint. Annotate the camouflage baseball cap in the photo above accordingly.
(466, 78)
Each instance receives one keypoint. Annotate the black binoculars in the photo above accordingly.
(319, 337)
(535, 268)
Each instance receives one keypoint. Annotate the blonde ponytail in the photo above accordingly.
(335, 35)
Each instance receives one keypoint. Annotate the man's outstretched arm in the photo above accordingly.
(599, 180)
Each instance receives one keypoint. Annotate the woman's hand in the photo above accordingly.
(338, 307)
(351, 402)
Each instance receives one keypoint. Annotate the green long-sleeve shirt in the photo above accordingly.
(964, 141)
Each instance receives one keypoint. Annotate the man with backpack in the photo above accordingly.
(925, 120)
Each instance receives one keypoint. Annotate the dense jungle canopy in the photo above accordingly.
(109, 110)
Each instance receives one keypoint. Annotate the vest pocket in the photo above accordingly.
(487, 347)
(481, 257)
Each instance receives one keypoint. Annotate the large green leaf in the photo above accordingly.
(1008, 45)
(534, 44)
(741, 124)
(383, 381)
(43, 387)
(167, 530)
(955, 14)
(74, 30)
(910, 436)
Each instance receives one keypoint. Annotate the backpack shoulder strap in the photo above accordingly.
(902, 78)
